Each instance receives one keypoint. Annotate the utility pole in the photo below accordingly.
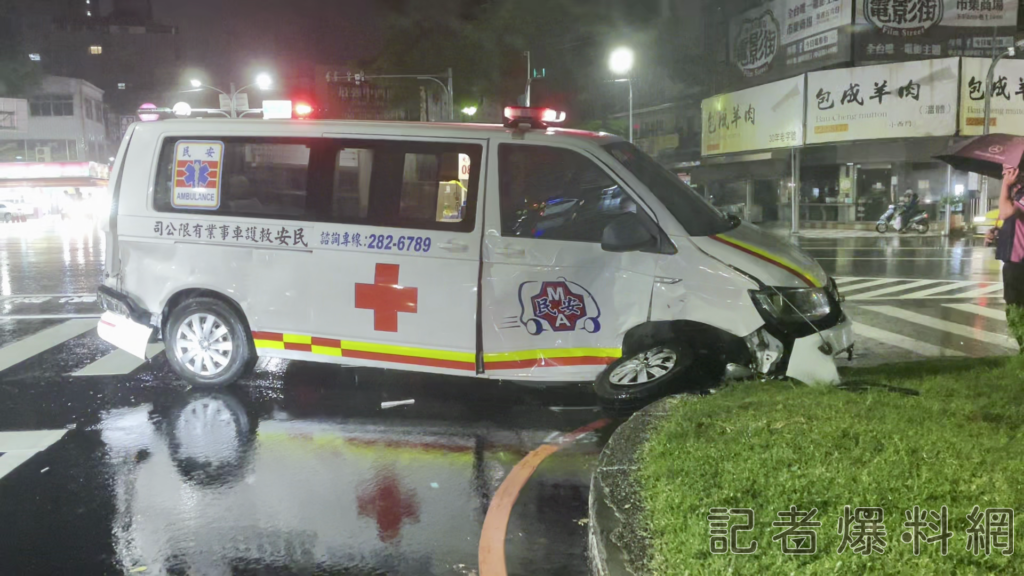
(529, 77)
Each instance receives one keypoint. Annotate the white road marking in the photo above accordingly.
(939, 289)
(945, 326)
(42, 341)
(892, 289)
(48, 316)
(983, 291)
(842, 281)
(17, 447)
(901, 341)
(869, 284)
(979, 310)
(119, 362)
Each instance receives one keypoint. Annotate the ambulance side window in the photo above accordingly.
(235, 176)
(556, 194)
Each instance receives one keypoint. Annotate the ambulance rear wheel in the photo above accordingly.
(207, 343)
(632, 382)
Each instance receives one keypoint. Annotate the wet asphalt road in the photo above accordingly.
(110, 468)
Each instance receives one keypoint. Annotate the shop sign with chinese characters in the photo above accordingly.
(1007, 97)
(908, 99)
(786, 37)
(889, 30)
(769, 116)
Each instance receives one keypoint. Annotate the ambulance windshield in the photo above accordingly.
(697, 216)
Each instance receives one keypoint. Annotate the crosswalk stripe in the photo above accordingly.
(939, 289)
(983, 291)
(901, 341)
(17, 447)
(979, 310)
(119, 362)
(878, 282)
(845, 280)
(42, 341)
(945, 326)
(891, 289)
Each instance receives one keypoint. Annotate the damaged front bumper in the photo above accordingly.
(810, 359)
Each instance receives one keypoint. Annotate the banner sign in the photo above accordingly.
(890, 30)
(786, 37)
(768, 116)
(901, 100)
(1007, 97)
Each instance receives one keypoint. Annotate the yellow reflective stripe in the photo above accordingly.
(272, 344)
(296, 339)
(326, 350)
(553, 353)
(407, 351)
(773, 257)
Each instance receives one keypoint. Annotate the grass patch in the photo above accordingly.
(767, 446)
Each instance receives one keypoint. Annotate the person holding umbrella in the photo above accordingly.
(1000, 155)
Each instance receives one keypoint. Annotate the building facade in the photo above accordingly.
(63, 120)
(873, 93)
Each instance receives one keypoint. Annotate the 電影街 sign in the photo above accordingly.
(900, 30)
(784, 38)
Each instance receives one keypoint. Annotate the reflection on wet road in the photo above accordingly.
(300, 470)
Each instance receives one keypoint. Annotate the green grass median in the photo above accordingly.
(959, 443)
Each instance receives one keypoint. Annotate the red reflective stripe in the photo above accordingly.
(298, 347)
(268, 336)
(452, 364)
(105, 323)
(326, 342)
(549, 363)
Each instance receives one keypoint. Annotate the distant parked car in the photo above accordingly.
(982, 224)
(13, 212)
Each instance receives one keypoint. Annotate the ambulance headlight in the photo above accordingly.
(790, 305)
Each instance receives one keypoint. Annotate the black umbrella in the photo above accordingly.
(986, 154)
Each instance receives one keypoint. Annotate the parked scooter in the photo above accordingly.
(886, 219)
(918, 222)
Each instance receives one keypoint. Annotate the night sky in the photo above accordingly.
(230, 40)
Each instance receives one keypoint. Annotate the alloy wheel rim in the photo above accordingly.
(644, 367)
(203, 344)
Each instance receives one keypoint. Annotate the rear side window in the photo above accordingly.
(556, 194)
(398, 184)
(251, 177)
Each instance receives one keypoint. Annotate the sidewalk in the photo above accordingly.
(782, 230)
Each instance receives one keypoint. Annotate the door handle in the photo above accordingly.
(453, 247)
(511, 252)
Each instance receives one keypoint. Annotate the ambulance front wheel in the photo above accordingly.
(207, 343)
(632, 382)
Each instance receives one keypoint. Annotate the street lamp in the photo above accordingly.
(469, 110)
(1011, 52)
(621, 63)
(263, 81)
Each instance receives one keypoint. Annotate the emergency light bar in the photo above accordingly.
(516, 116)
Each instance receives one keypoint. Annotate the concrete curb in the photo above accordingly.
(618, 539)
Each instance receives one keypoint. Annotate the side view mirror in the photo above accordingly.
(626, 234)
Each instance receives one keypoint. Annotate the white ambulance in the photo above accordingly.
(520, 252)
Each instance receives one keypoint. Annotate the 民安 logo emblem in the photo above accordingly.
(557, 306)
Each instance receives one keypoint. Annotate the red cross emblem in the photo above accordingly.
(386, 298)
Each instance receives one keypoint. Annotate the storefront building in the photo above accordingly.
(847, 142)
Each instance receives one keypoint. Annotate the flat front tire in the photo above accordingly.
(207, 343)
(632, 382)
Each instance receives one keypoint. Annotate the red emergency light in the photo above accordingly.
(303, 110)
(516, 116)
